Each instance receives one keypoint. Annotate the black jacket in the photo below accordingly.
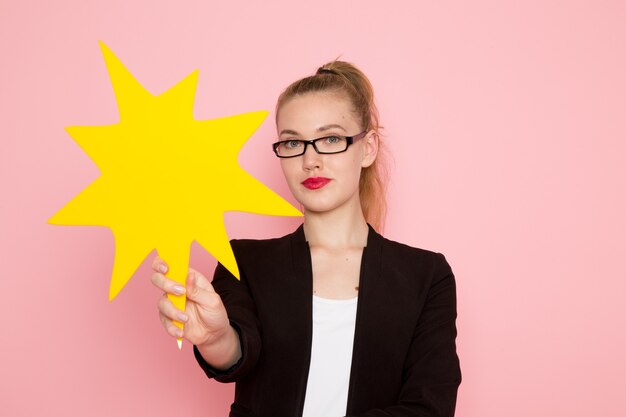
(404, 360)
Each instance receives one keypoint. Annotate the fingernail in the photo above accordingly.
(179, 289)
(162, 268)
(179, 332)
(182, 317)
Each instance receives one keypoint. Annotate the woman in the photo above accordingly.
(332, 319)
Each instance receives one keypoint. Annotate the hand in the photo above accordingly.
(205, 319)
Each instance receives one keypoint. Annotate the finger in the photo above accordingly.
(158, 265)
(206, 297)
(167, 309)
(170, 327)
(169, 286)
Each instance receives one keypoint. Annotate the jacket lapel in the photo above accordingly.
(368, 315)
(301, 291)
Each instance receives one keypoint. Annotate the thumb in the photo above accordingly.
(200, 280)
(197, 284)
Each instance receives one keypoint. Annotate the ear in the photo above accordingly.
(370, 148)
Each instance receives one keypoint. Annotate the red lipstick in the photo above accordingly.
(315, 183)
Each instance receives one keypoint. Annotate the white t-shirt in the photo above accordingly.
(331, 357)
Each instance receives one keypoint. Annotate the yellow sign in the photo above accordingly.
(166, 178)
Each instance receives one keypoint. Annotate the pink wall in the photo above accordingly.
(506, 120)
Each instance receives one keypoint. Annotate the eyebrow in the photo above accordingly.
(328, 127)
(319, 129)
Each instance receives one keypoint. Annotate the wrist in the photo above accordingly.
(222, 352)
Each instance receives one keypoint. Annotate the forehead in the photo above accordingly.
(307, 113)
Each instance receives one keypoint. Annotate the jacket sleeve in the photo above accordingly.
(242, 314)
(432, 373)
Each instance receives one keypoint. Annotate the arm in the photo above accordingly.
(431, 369)
(243, 320)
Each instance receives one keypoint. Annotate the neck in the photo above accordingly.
(338, 229)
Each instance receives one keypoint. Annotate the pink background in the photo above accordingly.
(507, 125)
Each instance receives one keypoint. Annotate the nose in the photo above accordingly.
(311, 159)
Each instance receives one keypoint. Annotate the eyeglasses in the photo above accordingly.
(326, 145)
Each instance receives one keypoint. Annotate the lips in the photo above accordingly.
(315, 183)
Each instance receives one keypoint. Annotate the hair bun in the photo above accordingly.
(322, 70)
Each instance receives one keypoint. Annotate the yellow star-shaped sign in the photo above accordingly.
(166, 178)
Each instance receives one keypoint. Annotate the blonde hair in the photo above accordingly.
(343, 77)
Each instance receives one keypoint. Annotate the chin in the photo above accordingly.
(322, 205)
(315, 206)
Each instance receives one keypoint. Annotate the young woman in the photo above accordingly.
(332, 319)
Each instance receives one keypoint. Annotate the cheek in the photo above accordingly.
(289, 168)
(348, 169)
(355, 164)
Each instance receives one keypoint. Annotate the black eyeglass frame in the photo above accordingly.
(349, 141)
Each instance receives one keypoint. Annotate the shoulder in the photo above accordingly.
(410, 276)
(262, 254)
(402, 249)
(243, 246)
(410, 257)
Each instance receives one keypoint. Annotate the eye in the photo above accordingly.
(333, 140)
(292, 144)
